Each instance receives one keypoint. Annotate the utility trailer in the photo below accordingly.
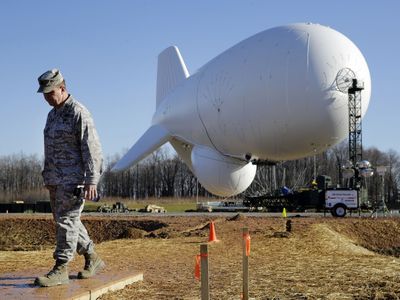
(340, 200)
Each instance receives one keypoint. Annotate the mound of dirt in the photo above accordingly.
(378, 235)
(133, 233)
(330, 240)
(238, 217)
(23, 233)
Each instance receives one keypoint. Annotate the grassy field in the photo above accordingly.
(170, 204)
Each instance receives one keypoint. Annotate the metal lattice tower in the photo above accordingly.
(346, 82)
(355, 132)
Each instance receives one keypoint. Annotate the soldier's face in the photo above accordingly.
(56, 97)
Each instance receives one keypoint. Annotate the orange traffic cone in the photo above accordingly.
(213, 236)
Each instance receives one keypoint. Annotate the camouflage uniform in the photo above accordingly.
(72, 157)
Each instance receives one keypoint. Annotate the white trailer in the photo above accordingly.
(339, 201)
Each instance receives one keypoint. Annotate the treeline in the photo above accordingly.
(21, 178)
(163, 175)
(160, 175)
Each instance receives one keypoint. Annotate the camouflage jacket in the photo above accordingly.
(72, 147)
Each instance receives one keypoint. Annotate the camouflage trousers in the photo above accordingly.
(71, 235)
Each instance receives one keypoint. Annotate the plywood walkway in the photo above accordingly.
(19, 285)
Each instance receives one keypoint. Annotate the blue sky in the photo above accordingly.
(107, 51)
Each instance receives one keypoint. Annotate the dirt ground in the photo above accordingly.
(321, 258)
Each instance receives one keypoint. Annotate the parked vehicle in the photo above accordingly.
(223, 206)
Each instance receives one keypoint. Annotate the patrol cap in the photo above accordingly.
(49, 80)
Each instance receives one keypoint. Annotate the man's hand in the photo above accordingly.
(90, 192)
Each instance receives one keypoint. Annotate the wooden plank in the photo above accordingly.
(19, 285)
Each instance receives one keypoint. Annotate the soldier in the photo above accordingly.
(72, 157)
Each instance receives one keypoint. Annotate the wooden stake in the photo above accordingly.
(245, 267)
(205, 292)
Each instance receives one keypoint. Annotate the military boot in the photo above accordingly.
(93, 263)
(58, 275)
